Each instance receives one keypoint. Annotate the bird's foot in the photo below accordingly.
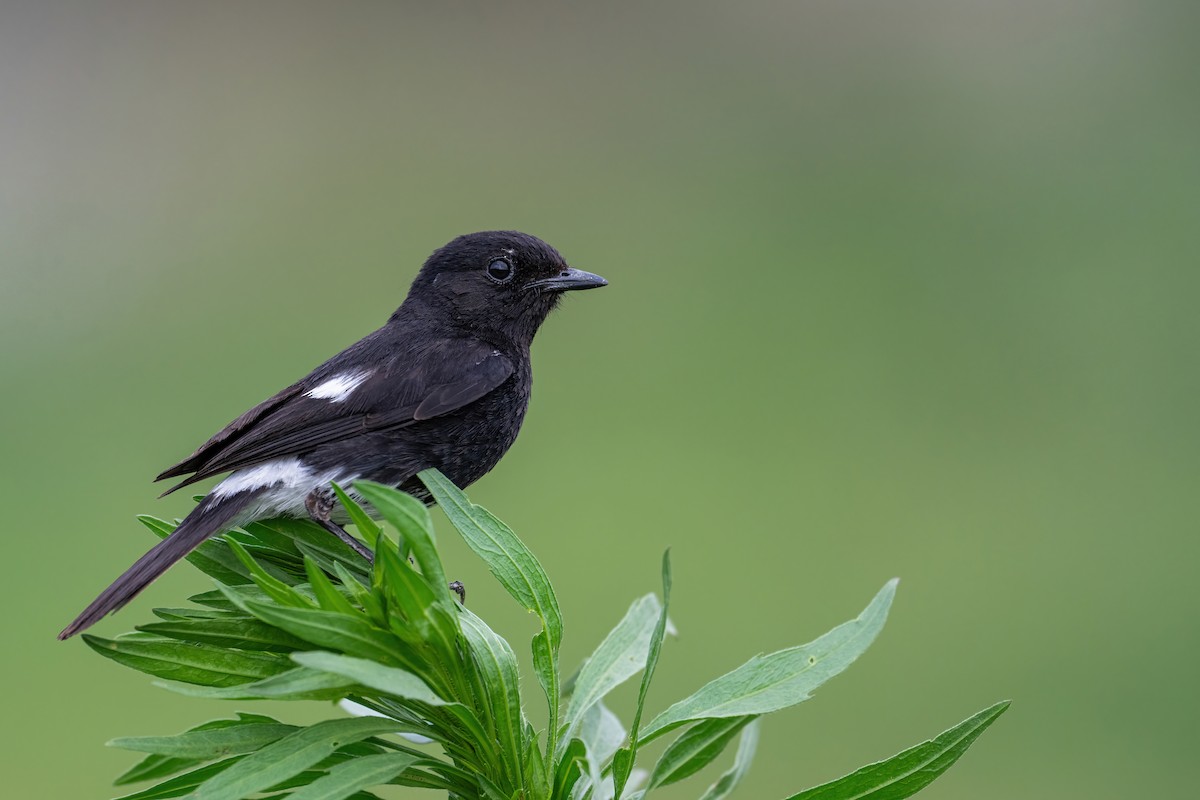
(319, 505)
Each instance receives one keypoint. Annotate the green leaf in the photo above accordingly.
(266, 541)
(571, 767)
(906, 773)
(361, 794)
(277, 590)
(518, 571)
(411, 520)
(185, 783)
(328, 597)
(360, 593)
(156, 766)
(188, 663)
(367, 528)
(624, 758)
(423, 617)
(242, 633)
(300, 683)
(698, 747)
(217, 600)
(206, 744)
(781, 679)
(316, 538)
(602, 732)
(153, 767)
(350, 634)
(389, 680)
(619, 657)
(177, 614)
(289, 756)
(537, 778)
(741, 765)
(345, 779)
(506, 556)
(500, 685)
(395, 683)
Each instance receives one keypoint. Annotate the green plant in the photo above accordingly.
(297, 615)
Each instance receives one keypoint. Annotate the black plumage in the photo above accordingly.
(445, 383)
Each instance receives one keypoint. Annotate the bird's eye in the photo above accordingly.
(500, 271)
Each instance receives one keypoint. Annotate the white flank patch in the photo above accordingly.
(288, 483)
(286, 472)
(337, 388)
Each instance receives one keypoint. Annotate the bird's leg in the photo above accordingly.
(319, 504)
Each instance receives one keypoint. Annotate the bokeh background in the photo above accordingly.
(897, 289)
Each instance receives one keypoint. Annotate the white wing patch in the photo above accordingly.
(337, 388)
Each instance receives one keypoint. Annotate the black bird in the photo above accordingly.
(445, 383)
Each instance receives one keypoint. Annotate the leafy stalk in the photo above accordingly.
(297, 615)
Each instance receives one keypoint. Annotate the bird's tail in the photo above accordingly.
(210, 517)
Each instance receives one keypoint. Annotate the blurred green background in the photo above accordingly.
(897, 289)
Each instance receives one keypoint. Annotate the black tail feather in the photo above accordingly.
(207, 519)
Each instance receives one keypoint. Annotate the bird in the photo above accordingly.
(445, 383)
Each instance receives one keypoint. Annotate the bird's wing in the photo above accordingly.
(231, 431)
(449, 375)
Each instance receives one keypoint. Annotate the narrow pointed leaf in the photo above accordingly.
(240, 633)
(602, 732)
(619, 657)
(266, 540)
(624, 758)
(538, 779)
(698, 747)
(506, 556)
(291, 755)
(300, 683)
(208, 744)
(741, 765)
(344, 632)
(499, 683)
(907, 772)
(602, 735)
(571, 767)
(183, 784)
(360, 593)
(155, 766)
(317, 538)
(389, 680)
(518, 571)
(347, 778)
(368, 529)
(328, 596)
(411, 519)
(178, 614)
(781, 679)
(406, 686)
(277, 590)
(188, 663)
(410, 595)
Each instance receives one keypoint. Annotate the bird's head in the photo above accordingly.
(498, 282)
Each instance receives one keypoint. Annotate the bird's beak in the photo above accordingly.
(569, 280)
